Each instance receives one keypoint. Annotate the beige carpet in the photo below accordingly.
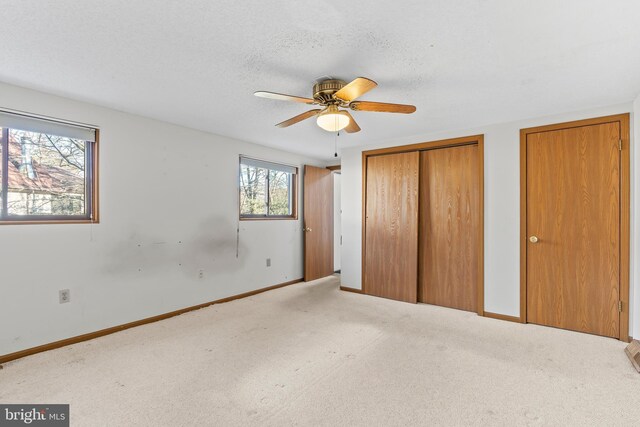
(310, 355)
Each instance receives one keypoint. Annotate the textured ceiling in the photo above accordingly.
(463, 63)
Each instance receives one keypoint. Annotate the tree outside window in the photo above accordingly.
(266, 189)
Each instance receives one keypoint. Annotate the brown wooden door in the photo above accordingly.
(449, 222)
(573, 210)
(318, 223)
(391, 226)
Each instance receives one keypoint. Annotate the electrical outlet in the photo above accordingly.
(201, 274)
(64, 295)
(268, 262)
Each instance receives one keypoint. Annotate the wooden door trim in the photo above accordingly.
(502, 317)
(625, 209)
(444, 143)
(348, 289)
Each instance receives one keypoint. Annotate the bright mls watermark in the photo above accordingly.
(34, 415)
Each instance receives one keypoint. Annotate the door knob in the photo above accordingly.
(533, 239)
(306, 229)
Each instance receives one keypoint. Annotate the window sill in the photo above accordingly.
(270, 218)
(47, 221)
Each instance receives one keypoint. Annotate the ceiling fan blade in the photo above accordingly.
(355, 89)
(353, 126)
(283, 97)
(298, 118)
(382, 107)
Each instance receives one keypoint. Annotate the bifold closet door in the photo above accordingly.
(449, 221)
(391, 226)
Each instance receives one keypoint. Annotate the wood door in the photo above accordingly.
(318, 223)
(391, 226)
(449, 221)
(573, 228)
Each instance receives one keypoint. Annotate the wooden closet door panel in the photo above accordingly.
(573, 208)
(391, 226)
(449, 221)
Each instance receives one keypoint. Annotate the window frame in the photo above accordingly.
(91, 189)
(293, 194)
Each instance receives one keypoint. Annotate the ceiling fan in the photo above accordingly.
(334, 94)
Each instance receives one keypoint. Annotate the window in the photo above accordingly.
(267, 190)
(47, 170)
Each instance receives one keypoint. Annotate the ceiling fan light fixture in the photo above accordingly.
(333, 120)
(331, 95)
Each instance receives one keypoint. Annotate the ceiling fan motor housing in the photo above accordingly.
(323, 91)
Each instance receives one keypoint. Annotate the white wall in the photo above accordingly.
(168, 207)
(502, 199)
(337, 220)
(635, 221)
